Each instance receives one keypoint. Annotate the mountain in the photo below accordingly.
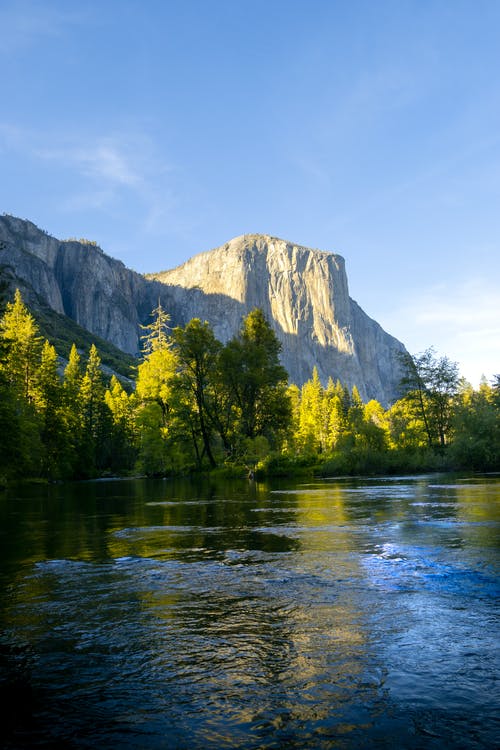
(303, 293)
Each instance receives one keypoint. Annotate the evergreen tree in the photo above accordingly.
(91, 393)
(53, 427)
(337, 414)
(256, 381)
(72, 378)
(23, 342)
(155, 380)
(355, 417)
(312, 435)
(155, 394)
(48, 383)
(94, 418)
(197, 351)
(156, 336)
(291, 444)
(10, 446)
(122, 439)
(20, 345)
(72, 416)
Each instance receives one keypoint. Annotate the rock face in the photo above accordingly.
(303, 293)
(76, 279)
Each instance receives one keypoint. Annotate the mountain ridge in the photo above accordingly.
(303, 293)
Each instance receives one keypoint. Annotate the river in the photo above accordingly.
(343, 613)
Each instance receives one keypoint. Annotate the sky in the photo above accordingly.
(368, 128)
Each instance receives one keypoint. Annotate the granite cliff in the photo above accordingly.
(303, 292)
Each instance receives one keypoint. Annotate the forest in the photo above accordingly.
(194, 404)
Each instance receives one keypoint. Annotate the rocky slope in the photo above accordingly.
(303, 292)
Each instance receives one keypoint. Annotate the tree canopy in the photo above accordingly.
(198, 404)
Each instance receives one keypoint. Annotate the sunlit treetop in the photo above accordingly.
(156, 336)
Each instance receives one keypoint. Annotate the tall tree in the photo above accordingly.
(23, 343)
(430, 384)
(72, 381)
(256, 380)
(94, 416)
(122, 436)
(312, 434)
(337, 414)
(197, 351)
(72, 378)
(155, 380)
(155, 394)
(20, 347)
(157, 332)
(49, 406)
(476, 429)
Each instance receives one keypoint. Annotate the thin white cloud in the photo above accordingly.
(111, 162)
(102, 172)
(105, 160)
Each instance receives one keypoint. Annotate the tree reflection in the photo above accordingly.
(232, 613)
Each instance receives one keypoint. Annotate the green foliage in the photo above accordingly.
(255, 381)
(20, 347)
(430, 385)
(155, 395)
(156, 336)
(152, 455)
(49, 406)
(23, 343)
(476, 425)
(94, 420)
(199, 404)
(63, 333)
(123, 436)
(198, 351)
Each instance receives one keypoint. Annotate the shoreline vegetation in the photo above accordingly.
(195, 406)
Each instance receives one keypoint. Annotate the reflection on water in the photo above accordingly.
(332, 614)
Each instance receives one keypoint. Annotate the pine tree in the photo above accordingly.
(156, 336)
(155, 392)
(122, 438)
(72, 378)
(336, 418)
(23, 342)
(20, 346)
(49, 406)
(312, 428)
(94, 417)
(92, 393)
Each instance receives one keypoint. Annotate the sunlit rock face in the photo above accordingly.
(303, 292)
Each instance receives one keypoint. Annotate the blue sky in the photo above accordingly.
(370, 128)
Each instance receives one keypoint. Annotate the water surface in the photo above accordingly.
(329, 614)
